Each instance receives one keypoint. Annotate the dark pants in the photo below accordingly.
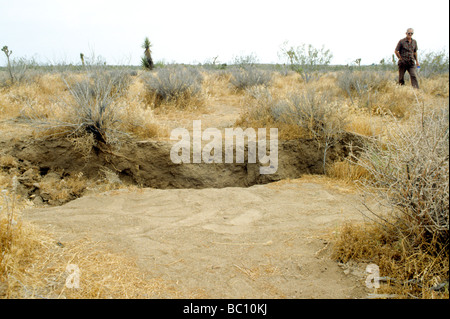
(412, 73)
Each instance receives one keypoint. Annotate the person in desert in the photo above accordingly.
(406, 52)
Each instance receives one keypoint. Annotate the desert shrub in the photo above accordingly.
(306, 60)
(409, 170)
(93, 106)
(362, 87)
(434, 63)
(8, 225)
(95, 103)
(174, 84)
(405, 178)
(5, 79)
(247, 76)
(312, 114)
(20, 71)
(319, 116)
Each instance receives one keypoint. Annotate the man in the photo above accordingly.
(406, 52)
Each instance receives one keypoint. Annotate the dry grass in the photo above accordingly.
(347, 171)
(57, 191)
(53, 110)
(410, 269)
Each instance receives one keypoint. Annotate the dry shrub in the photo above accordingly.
(138, 120)
(248, 76)
(362, 87)
(174, 86)
(312, 113)
(398, 101)
(83, 144)
(284, 84)
(408, 173)
(8, 108)
(18, 97)
(215, 83)
(8, 161)
(92, 103)
(51, 84)
(91, 107)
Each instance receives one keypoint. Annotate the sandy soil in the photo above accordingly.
(264, 241)
(189, 228)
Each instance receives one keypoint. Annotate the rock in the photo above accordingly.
(38, 201)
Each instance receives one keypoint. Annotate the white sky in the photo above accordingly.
(194, 31)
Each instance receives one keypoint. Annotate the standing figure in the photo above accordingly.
(406, 52)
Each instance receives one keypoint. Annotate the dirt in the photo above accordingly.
(211, 230)
(264, 241)
(148, 164)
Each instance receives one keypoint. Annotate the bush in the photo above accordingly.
(306, 60)
(433, 63)
(312, 114)
(362, 87)
(92, 107)
(20, 71)
(174, 84)
(95, 103)
(248, 75)
(410, 172)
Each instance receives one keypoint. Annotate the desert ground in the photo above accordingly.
(260, 241)
(139, 226)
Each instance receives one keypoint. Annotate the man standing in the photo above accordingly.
(406, 52)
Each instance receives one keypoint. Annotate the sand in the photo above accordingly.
(264, 241)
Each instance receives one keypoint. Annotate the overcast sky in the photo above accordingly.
(195, 31)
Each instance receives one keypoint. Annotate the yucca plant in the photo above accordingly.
(146, 60)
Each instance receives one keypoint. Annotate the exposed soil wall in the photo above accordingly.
(148, 163)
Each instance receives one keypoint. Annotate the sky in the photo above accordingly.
(196, 31)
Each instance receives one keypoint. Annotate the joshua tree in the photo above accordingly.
(147, 61)
(82, 59)
(8, 53)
